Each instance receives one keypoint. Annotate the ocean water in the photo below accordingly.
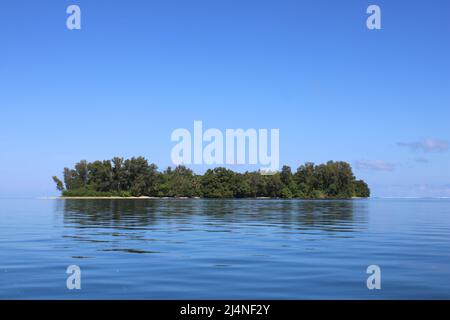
(225, 249)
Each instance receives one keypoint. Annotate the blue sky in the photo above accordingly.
(137, 70)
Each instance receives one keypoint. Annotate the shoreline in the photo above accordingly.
(187, 198)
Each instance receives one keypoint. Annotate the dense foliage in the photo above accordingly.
(136, 177)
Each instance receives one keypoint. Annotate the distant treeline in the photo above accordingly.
(136, 177)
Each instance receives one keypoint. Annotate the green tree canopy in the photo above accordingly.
(137, 177)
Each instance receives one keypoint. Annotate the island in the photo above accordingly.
(136, 177)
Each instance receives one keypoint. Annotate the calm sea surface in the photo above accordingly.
(224, 249)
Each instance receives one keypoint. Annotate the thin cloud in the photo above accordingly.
(421, 160)
(374, 165)
(428, 145)
(411, 190)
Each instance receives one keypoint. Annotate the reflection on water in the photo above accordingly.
(129, 226)
(224, 249)
(329, 216)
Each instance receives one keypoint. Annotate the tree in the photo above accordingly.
(100, 175)
(287, 178)
(257, 184)
(306, 180)
(274, 186)
(70, 179)
(286, 193)
(59, 183)
(217, 183)
(180, 182)
(286, 175)
(81, 169)
(119, 178)
(361, 189)
(135, 176)
(241, 187)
